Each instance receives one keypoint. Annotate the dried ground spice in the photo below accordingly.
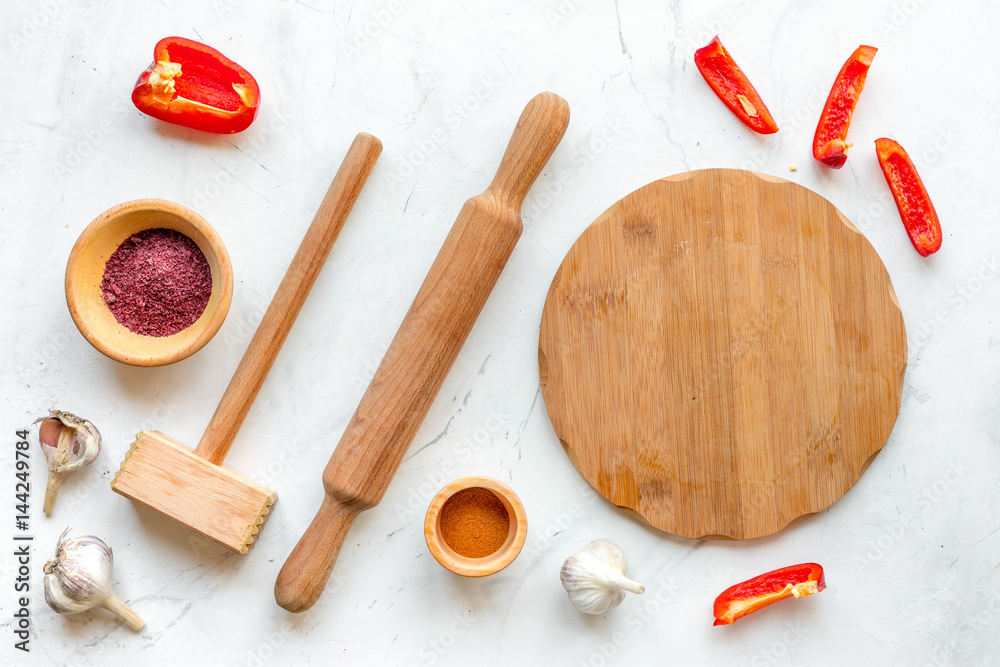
(157, 282)
(474, 523)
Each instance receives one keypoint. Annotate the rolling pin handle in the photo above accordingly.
(305, 573)
(536, 135)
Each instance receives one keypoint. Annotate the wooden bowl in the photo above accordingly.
(85, 270)
(476, 567)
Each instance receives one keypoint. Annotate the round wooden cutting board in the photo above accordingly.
(722, 352)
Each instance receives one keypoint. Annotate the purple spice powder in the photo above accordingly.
(157, 282)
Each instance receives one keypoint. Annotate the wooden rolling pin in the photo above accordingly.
(421, 354)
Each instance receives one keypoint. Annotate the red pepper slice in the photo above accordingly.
(829, 143)
(914, 204)
(747, 597)
(192, 84)
(733, 87)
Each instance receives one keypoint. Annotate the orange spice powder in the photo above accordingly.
(474, 522)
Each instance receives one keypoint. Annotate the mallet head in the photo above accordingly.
(211, 500)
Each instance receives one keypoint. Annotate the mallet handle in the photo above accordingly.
(421, 354)
(288, 300)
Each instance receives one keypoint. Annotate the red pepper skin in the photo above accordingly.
(914, 204)
(830, 141)
(733, 87)
(749, 596)
(192, 84)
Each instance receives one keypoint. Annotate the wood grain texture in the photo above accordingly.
(423, 350)
(722, 353)
(289, 297)
(214, 501)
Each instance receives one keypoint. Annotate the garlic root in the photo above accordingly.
(51, 490)
(631, 586)
(114, 604)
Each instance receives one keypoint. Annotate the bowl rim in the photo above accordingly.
(215, 252)
(476, 567)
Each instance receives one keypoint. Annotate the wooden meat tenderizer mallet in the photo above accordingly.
(421, 354)
(194, 488)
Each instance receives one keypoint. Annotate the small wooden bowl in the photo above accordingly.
(85, 270)
(498, 560)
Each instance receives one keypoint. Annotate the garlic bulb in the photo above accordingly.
(68, 443)
(79, 578)
(595, 578)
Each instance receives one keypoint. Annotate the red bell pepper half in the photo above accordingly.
(745, 598)
(830, 141)
(914, 204)
(194, 85)
(733, 87)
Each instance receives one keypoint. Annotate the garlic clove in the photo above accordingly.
(68, 442)
(595, 578)
(78, 578)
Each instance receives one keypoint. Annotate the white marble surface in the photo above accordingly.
(911, 552)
